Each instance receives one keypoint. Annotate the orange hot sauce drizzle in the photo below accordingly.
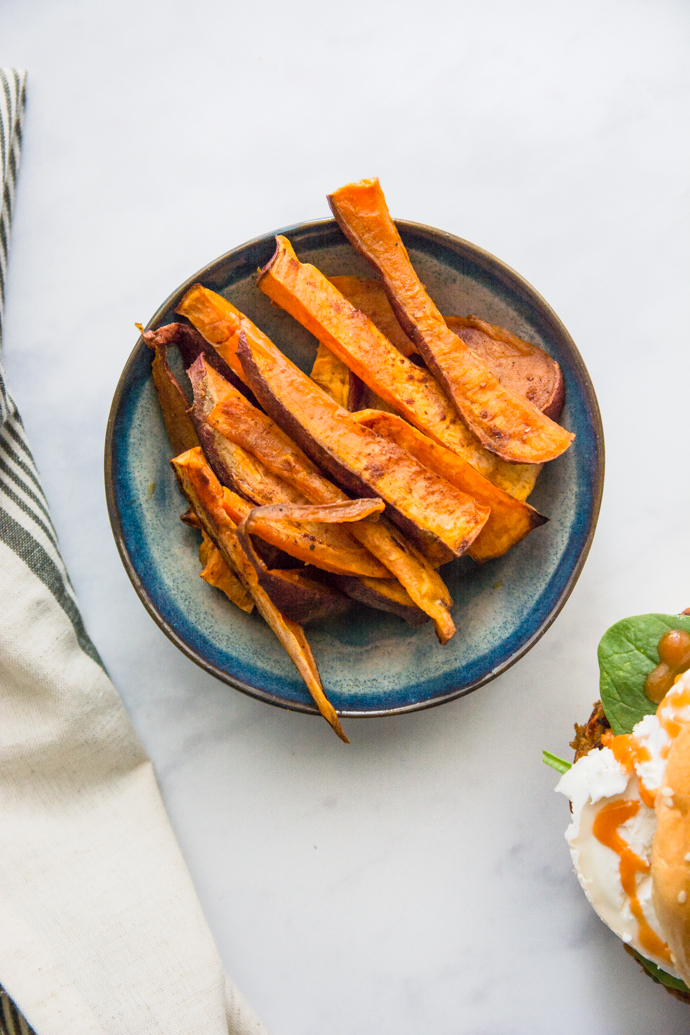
(627, 751)
(605, 829)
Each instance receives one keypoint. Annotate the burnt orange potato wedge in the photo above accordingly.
(262, 437)
(302, 602)
(438, 518)
(217, 574)
(243, 473)
(232, 465)
(217, 320)
(524, 368)
(297, 540)
(190, 343)
(505, 423)
(304, 292)
(207, 498)
(383, 595)
(509, 521)
(173, 402)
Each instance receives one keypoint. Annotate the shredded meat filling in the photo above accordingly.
(589, 736)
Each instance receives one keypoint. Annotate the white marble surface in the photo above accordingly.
(417, 881)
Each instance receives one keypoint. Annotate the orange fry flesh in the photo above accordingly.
(509, 521)
(218, 574)
(505, 423)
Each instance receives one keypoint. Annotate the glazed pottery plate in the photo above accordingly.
(371, 662)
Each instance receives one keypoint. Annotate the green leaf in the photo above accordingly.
(659, 975)
(627, 654)
(555, 762)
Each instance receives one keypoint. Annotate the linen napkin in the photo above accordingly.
(100, 928)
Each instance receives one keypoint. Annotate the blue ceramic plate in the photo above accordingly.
(371, 663)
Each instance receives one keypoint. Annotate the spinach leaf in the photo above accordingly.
(627, 654)
(659, 975)
(555, 762)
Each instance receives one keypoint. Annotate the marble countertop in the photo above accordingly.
(418, 880)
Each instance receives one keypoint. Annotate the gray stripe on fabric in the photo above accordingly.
(11, 1021)
(21, 484)
(23, 466)
(30, 512)
(30, 551)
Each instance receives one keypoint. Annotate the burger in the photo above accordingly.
(629, 792)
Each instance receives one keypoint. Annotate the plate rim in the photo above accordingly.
(514, 280)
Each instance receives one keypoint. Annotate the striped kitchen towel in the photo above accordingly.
(100, 928)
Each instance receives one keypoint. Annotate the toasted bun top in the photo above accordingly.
(670, 868)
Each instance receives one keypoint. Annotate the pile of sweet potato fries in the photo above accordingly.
(416, 439)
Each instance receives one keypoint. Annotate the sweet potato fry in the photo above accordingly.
(217, 320)
(440, 519)
(206, 496)
(411, 391)
(369, 296)
(242, 472)
(295, 539)
(524, 368)
(505, 423)
(337, 380)
(509, 521)
(383, 595)
(217, 574)
(262, 437)
(305, 600)
(173, 402)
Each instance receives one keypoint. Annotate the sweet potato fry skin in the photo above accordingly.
(410, 390)
(504, 423)
(442, 520)
(261, 437)
(384, 595)
(318, 600)
(509, 521)
(205, 494)
(524, 368)
(173, 402)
